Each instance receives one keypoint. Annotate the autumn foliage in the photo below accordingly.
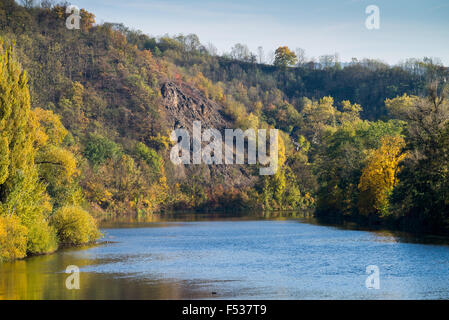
(380, 176)
(85, 131)
(37, 170)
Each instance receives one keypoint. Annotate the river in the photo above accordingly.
(248, 256)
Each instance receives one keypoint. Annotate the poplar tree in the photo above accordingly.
(21, 194)
(18, 172)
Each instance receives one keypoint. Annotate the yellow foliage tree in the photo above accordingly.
(284, 57)
(21, 194)
(13, 238)
(50, 127)
(30, 140)
(319, 116)
(75, 226)
(57, 165)
(380, 176)
(400, 106)
(351, 112)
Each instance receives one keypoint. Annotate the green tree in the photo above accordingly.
(340, 161)
(99, 149)
(152, 159)
(423, 190)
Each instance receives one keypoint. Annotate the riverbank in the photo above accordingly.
(402, 224)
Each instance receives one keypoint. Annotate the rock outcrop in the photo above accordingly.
(184, 105)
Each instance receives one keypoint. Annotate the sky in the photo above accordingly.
(408, 28)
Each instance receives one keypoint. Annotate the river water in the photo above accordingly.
(251, 256)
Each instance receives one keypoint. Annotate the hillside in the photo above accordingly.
(120, 93)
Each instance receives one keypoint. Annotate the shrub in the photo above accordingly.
(151, 157)
(41, 238)
(13, 238)
(75, 226)
(99, 149)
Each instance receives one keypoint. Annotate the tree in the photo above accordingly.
(13, 238)
(75, 226)
(153, 160)
(57, 165)
(87, 20)
(379, 176)
(301, 55)
(211, 49)
(327, 61)
(16, 135)
(99, 149)
(241, 52)
(47, 4)
(284, 57)
(400, 107)
(30, 141)
(27, 3)
(423, 190)
(341, 158)
(21, 194)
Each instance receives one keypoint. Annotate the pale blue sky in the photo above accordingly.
(407, 28)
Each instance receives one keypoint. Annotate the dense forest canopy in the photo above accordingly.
(85, 117)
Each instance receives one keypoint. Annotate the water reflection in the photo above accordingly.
(189, 216)
(287, 255)
(44, 277)
(168, 219)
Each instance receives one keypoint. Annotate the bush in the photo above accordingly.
(41, 238)
(99, 149)
(74, 226)
(13, 238)
(151, 157)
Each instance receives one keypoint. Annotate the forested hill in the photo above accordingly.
(367, 83)
(118, 92)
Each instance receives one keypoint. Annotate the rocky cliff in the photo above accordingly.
(184, 105)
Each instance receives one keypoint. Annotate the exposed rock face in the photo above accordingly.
(184, 105)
